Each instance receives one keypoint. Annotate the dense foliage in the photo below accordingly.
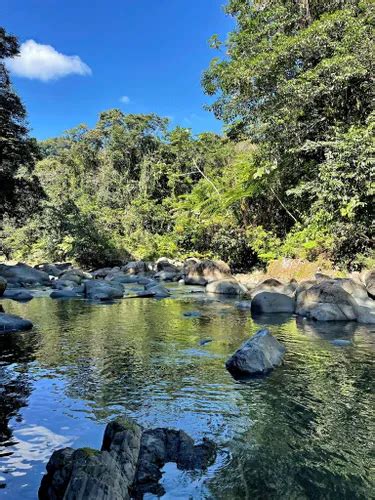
(292, 176)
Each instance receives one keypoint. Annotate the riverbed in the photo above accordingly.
(305, 431)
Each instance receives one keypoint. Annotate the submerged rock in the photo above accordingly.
(128, 465)
(341, 342)
(257, 356)
(12, 323)
(268, 302)
(64, 294)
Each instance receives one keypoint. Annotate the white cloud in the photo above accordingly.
(43, 62)
(124, 99)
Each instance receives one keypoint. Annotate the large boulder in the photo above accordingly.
(76, 275)
(201, 272)
(326, 301)
(365, 311)
(356, 290)
(3, 285)
(270, 302)
(135, 267)
(369, 281)
(20, 295)
(128, 465)
(166, 275)
(273, 285)
(226, 287)
(12, 323)
(23, 275)
(158, 291)
(257, 356)
(102, 290)
(50, 269)
(168, 265)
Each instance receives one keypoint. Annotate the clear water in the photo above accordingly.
(304, 432)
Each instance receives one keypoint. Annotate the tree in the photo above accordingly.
(17, 150)
(298, 77)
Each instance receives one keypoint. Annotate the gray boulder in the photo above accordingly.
(135, 267)
(273, 285)
(159, 291)
(326, 301)
(12, 323)
(369, 281)
(128, 465)
(167, 275)
(103, 290)
(365, 311)
(226, 287)
(50, 269)
(201, 272)
(257, 356)
(22, 274)
(19, 295)
(268, 302)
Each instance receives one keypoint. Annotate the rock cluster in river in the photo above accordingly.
(322, 299)
(127, 466)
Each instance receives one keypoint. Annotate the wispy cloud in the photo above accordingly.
(43, 62)
(124, 99)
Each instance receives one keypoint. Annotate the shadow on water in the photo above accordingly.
(304, 431)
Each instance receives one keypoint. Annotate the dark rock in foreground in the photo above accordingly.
(12, 323)
(257, 356)
(128, 465)
(18, 295)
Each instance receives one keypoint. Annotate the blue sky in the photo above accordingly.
(151, 51)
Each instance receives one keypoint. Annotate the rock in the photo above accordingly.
(257, 356)
(369, 281)
(104, 271)
(122, 438)
(86, 474)
(61, 284)
(159, 291)
(319, 277)
(365, 311)
(3, 285)
(22, 274)
(12, 323)
(326, 301)
(356, 290)
(135, 267)
(341, 342)
(16, 294)
(50, 269)
(64, 294)
(167, 275)
(75, 275)
(128, 465)
(192, 314)
(305, 285)
(205, 271)
(168, 265)
(268, 302)
(244, 304)
(274, 286)
(160, 446)
(226, 287)
(205, 341)
(103, 290)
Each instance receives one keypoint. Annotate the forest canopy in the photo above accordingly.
(292, 175)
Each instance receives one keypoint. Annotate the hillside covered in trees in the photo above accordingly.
(292, 175)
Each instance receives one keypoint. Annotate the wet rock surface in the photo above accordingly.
(12, 323)
(128, 465)
(257, 356)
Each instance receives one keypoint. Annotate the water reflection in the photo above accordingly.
(302, 432)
